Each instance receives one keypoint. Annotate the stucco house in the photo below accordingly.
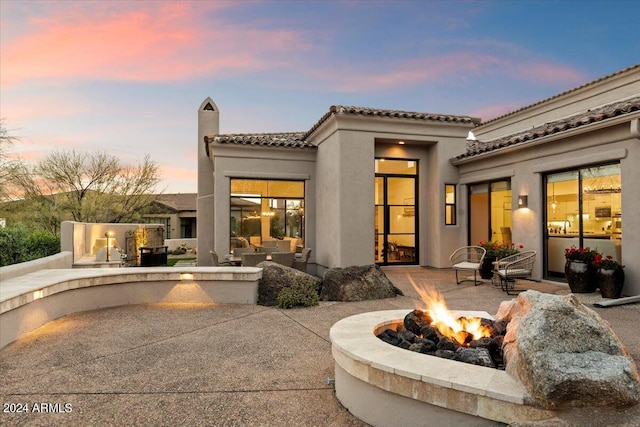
(176, 211)
(367, 185)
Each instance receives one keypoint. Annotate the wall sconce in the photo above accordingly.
(523, 202)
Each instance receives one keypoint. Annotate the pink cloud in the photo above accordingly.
(158, 42)
(454, 68)
(547, 72)
(492, 111)
(181, 179)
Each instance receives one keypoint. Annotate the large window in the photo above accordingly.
(266, 210)
(583, 209)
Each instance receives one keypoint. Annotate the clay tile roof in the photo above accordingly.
(587, 117)
(288, 139)
(374, 112)
(178, 201)
(565, 92)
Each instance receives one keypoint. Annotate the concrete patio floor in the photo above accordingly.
(219, 364)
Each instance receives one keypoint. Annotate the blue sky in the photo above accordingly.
(129, 76)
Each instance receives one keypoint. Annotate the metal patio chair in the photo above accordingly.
(468, 258)
(517, 266)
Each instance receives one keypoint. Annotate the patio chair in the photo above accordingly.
(283, 258)
(239, 251)
(269, 243)
(251, 260)
(283, 246)
(301, 263)
(267, 249)
(216, 261)
(468, 258)
(517, 266)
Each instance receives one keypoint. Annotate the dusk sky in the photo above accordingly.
(128, 76)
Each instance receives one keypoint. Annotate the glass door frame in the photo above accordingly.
(489, 229)
(386, 212)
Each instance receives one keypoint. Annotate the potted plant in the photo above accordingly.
(579, 269)
(609, 275)
(495, 251)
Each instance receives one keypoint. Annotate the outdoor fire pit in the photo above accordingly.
(386, 385)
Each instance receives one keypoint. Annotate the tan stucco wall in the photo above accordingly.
(347, 147)
(345, 170)
(597, 144)
(258, 163)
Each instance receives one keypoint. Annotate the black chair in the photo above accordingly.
(517, 266)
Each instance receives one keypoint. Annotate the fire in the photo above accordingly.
(463, 329)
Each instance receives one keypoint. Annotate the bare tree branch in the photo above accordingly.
(86, 187)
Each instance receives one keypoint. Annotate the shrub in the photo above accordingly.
(299, 294)
(21, 244)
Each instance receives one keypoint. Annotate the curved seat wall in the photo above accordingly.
(31, 300)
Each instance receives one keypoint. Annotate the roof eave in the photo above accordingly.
(547, 138)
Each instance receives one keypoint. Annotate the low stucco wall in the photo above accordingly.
(29, 301)
(61, 260)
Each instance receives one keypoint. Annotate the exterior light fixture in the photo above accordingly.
(401, 142)
(186, 276)
(523, 201)
(471, 136)
(38, 294)
(108, 235)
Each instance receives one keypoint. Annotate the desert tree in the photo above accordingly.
(85, 187)
(6, 162)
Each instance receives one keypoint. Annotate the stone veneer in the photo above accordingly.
(31, 300)
(386, 385)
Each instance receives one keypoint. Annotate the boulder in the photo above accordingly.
(357, 283)
(275, 277)
(565, 355)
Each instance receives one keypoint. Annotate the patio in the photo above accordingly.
(222, 364)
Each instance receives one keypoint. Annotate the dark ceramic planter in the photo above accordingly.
(486, 269)
(610, 282)
(581, 277)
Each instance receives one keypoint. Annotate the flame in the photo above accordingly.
(463, 329)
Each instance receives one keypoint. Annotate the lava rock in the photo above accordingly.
(430, 333)
(446, 344)
(428, 345)
(404, 344)
(416, 320)
(407, 335)
(389, 336)
(446, 354)
(475, 356)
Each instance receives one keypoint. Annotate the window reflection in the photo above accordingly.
(266, 210)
